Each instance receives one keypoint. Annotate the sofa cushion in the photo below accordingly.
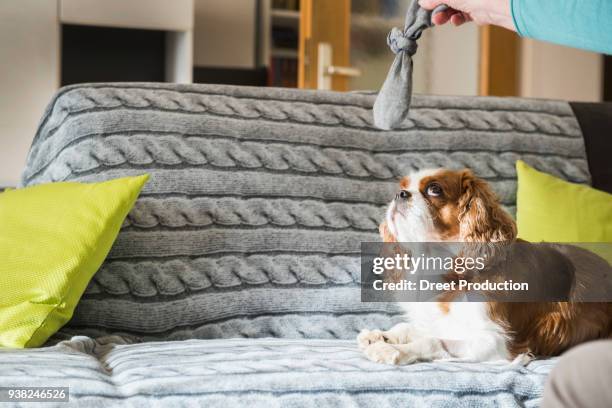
(554, 210)
(259, 198)
(54, 238)
(262, 373)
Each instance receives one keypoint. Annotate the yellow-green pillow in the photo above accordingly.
(53, 239)
(553, 210)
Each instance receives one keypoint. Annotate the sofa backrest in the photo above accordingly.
(259, 198)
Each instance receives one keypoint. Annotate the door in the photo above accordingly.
(499, 65)
(324, 44)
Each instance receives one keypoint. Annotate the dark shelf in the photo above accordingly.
(103, 54)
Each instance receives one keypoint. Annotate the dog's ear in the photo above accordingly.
(481, 217)
(385, 233)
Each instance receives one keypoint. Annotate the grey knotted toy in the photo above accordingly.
(393, 101)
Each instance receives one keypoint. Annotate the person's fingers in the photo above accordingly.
(466, 17)
(442, 17)
(458, 19)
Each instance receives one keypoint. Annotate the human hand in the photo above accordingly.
(482, 12)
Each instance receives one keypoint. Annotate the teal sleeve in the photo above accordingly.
(583, 24)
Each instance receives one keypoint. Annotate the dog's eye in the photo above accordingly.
(433, 190)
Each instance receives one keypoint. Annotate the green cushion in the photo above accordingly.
(553, 210)
(54, 238)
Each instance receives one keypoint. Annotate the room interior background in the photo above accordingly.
(45, 44)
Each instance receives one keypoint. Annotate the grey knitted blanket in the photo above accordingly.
(259, 199)
(260, 373)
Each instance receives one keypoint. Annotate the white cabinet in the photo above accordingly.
(174, 15)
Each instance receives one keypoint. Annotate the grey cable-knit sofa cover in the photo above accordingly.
(235, 279)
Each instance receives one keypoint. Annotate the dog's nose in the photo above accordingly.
(404, 195)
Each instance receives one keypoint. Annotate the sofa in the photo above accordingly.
(235, 278)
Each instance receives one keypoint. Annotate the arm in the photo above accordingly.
(575, 23)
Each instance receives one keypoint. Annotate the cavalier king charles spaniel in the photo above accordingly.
(456, 206)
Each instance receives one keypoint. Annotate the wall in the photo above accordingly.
(454, 60)
(29, 75)
(224, 33)
(555, 72)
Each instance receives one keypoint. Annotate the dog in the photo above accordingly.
(456, 206)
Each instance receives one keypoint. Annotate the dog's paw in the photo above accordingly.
(523, 359)
(369, 337)
(381, 352)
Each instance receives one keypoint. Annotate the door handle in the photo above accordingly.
(344, 71)
(325, 69)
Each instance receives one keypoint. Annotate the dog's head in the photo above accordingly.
(446, 205)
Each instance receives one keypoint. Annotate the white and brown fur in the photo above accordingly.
(467, 210)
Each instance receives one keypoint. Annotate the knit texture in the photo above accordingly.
(110, 372)
(259, 199)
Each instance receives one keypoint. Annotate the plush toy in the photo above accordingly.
(393, 101)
